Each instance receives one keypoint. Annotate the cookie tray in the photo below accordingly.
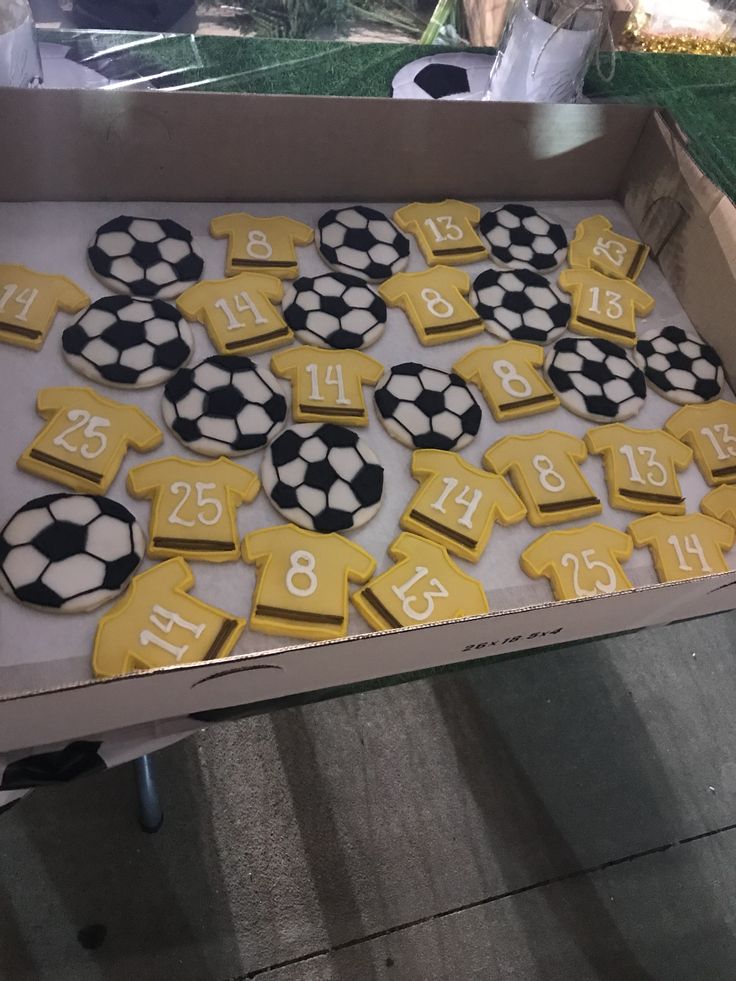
(623, 161)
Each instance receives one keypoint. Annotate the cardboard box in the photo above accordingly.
(77, 145)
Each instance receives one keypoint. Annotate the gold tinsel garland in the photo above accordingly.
(678, 44)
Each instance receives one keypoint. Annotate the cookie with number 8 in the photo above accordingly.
(434, 301)
(641, 467)
(710, 431)
(194, 505)
(510, 379)
(239, 313)
(544, 469)
(457, 504)
(684, 547)
(444, 230)
(581, 562)
(258, 244)
(302, 581)
(85, 438)
(423, 586)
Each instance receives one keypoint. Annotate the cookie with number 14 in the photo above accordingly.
(29, 301)
(685, 546)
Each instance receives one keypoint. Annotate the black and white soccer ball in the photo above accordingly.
(518, 237)
(452, 76)
(69, 553)
(145, 256)
(127, 342)
(596, 379)
(334, 310)
(425, 408)
(224, 406)
(323, 477)
(49, 766)
(363, 242)
(681, 367)
(520, 305)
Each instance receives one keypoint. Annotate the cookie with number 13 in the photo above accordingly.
(685, 546)
(641, 467)
(710, 430)
(423, 586)
(445, 231)
(605, 307)
(544, 469)
(85, 438)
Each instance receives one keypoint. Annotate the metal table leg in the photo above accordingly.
(150, 815)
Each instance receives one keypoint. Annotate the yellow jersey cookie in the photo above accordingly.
(327, 384)
(721, 503)
(710, 430)
(303, 576)
(29, 301)
(685, 546)
(581, 562)
(456, 504)
(605, 307)
(544, 470)
(596, 246)
(434, 301)
(85, 438)
(261, 244)
(641, 467)
(194, 505)
(157, 624)
(239, 313)
(423, 586)
(444, 230)
(510, 378)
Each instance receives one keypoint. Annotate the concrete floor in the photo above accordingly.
(563, 817)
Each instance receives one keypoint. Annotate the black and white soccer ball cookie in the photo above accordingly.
(363, 242)
(149, 257)
(681, 367)
(519, 237)
(520, 305)
(224, 406)
(127, 342)
(334, 310)
(323, 477)
(596, 379)
(425, 408)
(69, 553)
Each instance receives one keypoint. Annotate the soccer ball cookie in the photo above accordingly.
(520, 305)
(145, 256)
(323, 477)
(680, 367)
(128, 343)
(334, 310)
(224, 406)
(425, 408)
(69, 553)
(520, 237)
(596, 379)
(362, 241)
